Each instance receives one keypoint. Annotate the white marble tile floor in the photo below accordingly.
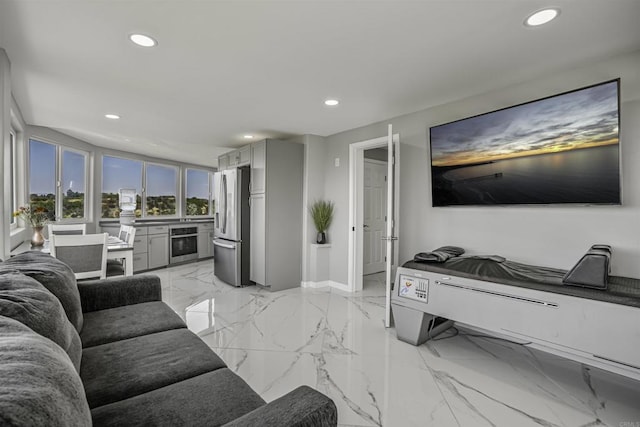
(336, 342)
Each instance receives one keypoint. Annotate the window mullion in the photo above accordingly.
(58, 198)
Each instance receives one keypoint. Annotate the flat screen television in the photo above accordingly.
(563, 149)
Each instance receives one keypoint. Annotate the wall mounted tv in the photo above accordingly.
(563, 149)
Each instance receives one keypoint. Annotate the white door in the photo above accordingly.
(375, 211)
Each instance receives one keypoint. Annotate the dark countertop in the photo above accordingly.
(151, 223)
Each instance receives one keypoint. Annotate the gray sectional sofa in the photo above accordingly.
(111, 353)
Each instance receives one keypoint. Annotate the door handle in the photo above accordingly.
(365, 226)
(222, 245)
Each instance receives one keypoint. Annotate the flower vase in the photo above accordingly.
(37, 239)
(321, 238)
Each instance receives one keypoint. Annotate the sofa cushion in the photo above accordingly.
(55, 275)
(210, 399)
(123, 369)
(129, 321)
(40, 387)
(27, 301)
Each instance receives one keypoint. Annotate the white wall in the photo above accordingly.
(543, 235)
(314, 162)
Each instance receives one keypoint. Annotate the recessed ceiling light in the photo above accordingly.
(541, 17)
(143, 40)
(112, 116)
(248, 137)
(331, 102)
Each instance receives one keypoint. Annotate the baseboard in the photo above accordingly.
(324, 284)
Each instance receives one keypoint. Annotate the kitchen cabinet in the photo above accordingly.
(140, 250)
(244, 155)
(276, 214)
(235, 158)
(223, 162)
(205, 240)
(258, 159)
(257, 248)
(158, 246)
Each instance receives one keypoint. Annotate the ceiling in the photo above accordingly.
(223, 69)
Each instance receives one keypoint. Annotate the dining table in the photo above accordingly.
(116, 249)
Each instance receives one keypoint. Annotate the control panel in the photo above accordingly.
(413, 287)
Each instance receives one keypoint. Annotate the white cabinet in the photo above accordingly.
(205, 240)
(258, 239)
(140, 250)
(233, 159)
(244, 155)
(276, 214)
(158, 246)
(223, 162)
(258, 163)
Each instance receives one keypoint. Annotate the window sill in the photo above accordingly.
(16, 231)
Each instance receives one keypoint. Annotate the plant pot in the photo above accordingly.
(321, 238)
(37, 239)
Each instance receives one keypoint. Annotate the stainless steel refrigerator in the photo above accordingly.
(232, 222)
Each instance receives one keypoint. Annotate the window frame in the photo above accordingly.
(13, 176)
(58, 167)
(60, 189)
(209, 195)
(143, 189)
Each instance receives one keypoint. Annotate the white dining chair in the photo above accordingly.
(85, 254)
(67, 229)
(116, 267)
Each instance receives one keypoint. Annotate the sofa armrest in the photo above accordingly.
(118, 291)
(303, 406)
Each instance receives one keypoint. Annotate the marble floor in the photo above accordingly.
(336, 342)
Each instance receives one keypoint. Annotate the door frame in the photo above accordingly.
(356, 204)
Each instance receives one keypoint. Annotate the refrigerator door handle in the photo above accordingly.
(224, 192)
(222, 245)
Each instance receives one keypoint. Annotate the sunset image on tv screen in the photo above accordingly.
(562, 149)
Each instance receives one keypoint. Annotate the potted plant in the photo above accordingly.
(37, 217)
(322, 214)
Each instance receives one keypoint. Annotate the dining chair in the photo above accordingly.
(116, 267)
(67, 229)
(85, 254)
(125, 231)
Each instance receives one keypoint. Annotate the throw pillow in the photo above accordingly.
(27, 301)
(55, 275)
(39, 385)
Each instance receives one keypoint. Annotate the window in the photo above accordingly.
(161, 194)
(198, 192)
(42, 177)
(73, 182)
(120, 173)
(156, 187)
(57, 180)
(13, 176)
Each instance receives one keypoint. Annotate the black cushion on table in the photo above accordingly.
(210, 399)
(123, 369)
(129, 321)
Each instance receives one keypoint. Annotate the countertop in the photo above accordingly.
(151, 223)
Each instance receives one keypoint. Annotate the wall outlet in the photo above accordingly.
(336, 162)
